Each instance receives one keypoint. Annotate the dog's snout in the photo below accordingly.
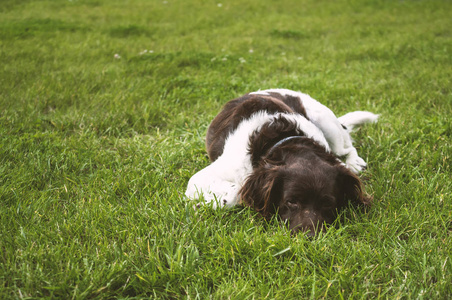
(309, 221)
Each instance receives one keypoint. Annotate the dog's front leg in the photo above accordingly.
(212, 186)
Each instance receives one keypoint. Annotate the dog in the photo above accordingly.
(279, 152)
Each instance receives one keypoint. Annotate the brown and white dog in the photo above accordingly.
(279, 152)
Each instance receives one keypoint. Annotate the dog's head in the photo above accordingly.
(306, 189)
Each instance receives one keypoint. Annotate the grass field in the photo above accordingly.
(104, 108)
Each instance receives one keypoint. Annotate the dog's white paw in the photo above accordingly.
(218, 192)
(356, 164)
(225, 193)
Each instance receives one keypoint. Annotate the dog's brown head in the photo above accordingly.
(304, 185)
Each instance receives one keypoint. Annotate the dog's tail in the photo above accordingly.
(355, 118)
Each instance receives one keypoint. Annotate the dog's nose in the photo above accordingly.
(309, 230)
(309, 227)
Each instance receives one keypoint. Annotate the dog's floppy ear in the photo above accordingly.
(261, 189)
(351, 188)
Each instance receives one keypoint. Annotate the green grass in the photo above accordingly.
(96, 151)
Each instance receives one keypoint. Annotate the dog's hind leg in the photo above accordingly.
(340, 142)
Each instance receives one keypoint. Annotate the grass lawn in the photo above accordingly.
(104, 109)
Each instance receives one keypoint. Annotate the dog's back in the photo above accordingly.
(237, 110)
